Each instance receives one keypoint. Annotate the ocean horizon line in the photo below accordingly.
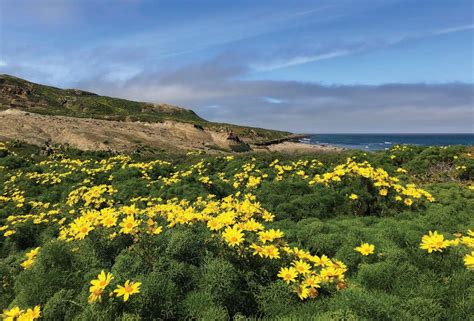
(388, 134)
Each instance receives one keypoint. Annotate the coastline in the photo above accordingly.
(298, 148)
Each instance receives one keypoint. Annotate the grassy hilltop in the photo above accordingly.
(22, 94)
(334, 236)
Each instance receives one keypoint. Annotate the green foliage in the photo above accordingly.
(186, 274)
(240, 148)
(57, 268)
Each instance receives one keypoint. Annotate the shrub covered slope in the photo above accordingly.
(346, 236)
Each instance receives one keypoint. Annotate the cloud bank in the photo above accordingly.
(216, 91)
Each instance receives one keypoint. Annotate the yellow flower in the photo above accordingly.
(108, 218)
(130, 210)
(95, 294)
(467, 240)
(233, 236)
(320, 261)
(30, 314)
(81, 228)
(301, 254)
(301, 266)
(469, 260)
(383, 192)
(270, 235)
(288, 274)
(312, 281)
(252, 225)
(17, 314)
(257, 249)
(12, 314)
(102, 280)
(454, 242)
(205, 180)
(271, 252)
(8, 233)
(128, 289)
(433, 242)
(128, 225)
(331, 272)
(27, 263)
(353, 197)
(302, 291)
(408, 201)
(214, 224)
(30, 258)
(157, 230)
(365, 249)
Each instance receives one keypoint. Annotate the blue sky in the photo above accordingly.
(303, 66)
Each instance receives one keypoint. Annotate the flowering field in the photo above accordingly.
(346, 236)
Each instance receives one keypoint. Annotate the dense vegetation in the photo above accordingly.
(47, 100)
(341, 236)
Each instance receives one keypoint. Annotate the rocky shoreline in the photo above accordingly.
(292, 144)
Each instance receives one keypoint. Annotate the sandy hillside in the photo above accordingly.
(94, 134)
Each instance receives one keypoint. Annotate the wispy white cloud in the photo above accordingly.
(272, 100)
(296, 60)
(454, 29)
(299, 60)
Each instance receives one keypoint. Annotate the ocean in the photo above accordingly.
(373, 142)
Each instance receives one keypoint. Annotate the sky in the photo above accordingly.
(321, 66)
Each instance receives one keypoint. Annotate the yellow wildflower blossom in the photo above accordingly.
(127, 289)
(469, 260)
(270, 235)
(128, 225)
(301, 266)
(288, 274)
(233, 236)
(433, 242)
(365, 249)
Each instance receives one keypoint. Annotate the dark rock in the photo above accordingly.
(233, 137)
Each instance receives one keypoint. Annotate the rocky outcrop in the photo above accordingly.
(233, 137)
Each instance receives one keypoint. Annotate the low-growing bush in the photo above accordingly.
(336, 236)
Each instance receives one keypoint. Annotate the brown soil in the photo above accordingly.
(95, 134)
